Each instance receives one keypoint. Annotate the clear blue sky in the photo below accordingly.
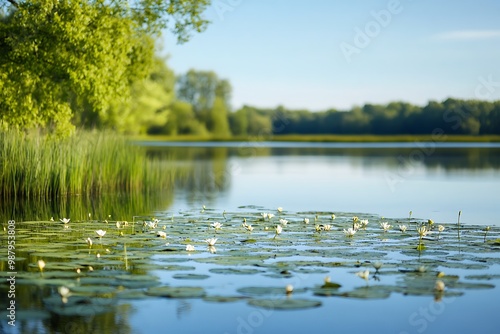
(290, 52)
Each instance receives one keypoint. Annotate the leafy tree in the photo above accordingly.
(200, 89)
(77, 59)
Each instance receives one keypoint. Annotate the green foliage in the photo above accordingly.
(76, 60)
(34, 165)
(218, 121)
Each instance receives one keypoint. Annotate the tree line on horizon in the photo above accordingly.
(92, 64)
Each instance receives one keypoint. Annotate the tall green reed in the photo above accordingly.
(88, 163)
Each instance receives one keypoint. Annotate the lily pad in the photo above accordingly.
(284, 304)
(176, 292)
(191, 276)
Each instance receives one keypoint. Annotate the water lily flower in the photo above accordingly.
(306, 220)
(100, 233)
(161, 234)
(318, 228)
(89, 242)
(430, 222)
(212, 249)
(422, 231)
(333, 216)
(211, 241)
(385, 226)
(440, 228)
(280, 209)
(403, 228)
(118, 224)
(190, 248)
(216, 225)
(439, 286)
(363, 223)
(350, 232)
(65, 220)
(98, 255)
(64, 293)
(41, 264)
(51, 219)
(327, 227)
(248, 227)
(422, 269)
(355, 219)
(278, 229)
(264, 215)
(283, 222)
(356, 226)
(327, 279)
(364, 274)
(289, 289)
(377, 265)
(270, 216)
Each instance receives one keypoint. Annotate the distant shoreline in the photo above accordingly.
(327, 138)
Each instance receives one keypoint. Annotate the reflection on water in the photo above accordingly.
(433, 180)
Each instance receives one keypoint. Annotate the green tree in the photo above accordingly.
(62, 58)
(218, 119)
(200, 89)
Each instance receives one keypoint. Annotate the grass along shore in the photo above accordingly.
(328, 138)
(87, 163)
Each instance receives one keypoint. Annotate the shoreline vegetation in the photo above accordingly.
(88, 163)
(326, 138)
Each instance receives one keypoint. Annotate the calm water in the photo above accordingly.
(382, 179)
(432, 180)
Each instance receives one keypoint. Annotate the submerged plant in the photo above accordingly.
(487, 228)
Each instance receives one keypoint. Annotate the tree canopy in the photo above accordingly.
(68, 61)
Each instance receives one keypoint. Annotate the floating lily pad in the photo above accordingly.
(235, 271)
(267, 291)
(284, 304)
(223, 299)
(190, 276)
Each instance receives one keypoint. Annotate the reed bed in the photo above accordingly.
(34, 165)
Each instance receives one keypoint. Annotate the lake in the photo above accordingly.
(140, 277)
(433, 180)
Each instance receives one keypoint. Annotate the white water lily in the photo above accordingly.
(385, 226)
(211, 241)
(161, 234)
(364, 274)
(248, 227)
(212, 249)
(327, 227)
(65, 220)
(422, 231)
(283, 222)
(118, 225)
(280, 209)
(41, 264)
(64, 293)
(89, 242)
(363, 223)
(377, 265)
(217, 225)
(51, 219)
(440, 228)
(278, 229)
(306, 220)
(439, 286)
(403, 228)
(318, 228)
(289, 289)
(270, 216)
(333, 216)
(190, 248)
(100, 233)
(264, 215)
(356, 226)
(350, 232)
